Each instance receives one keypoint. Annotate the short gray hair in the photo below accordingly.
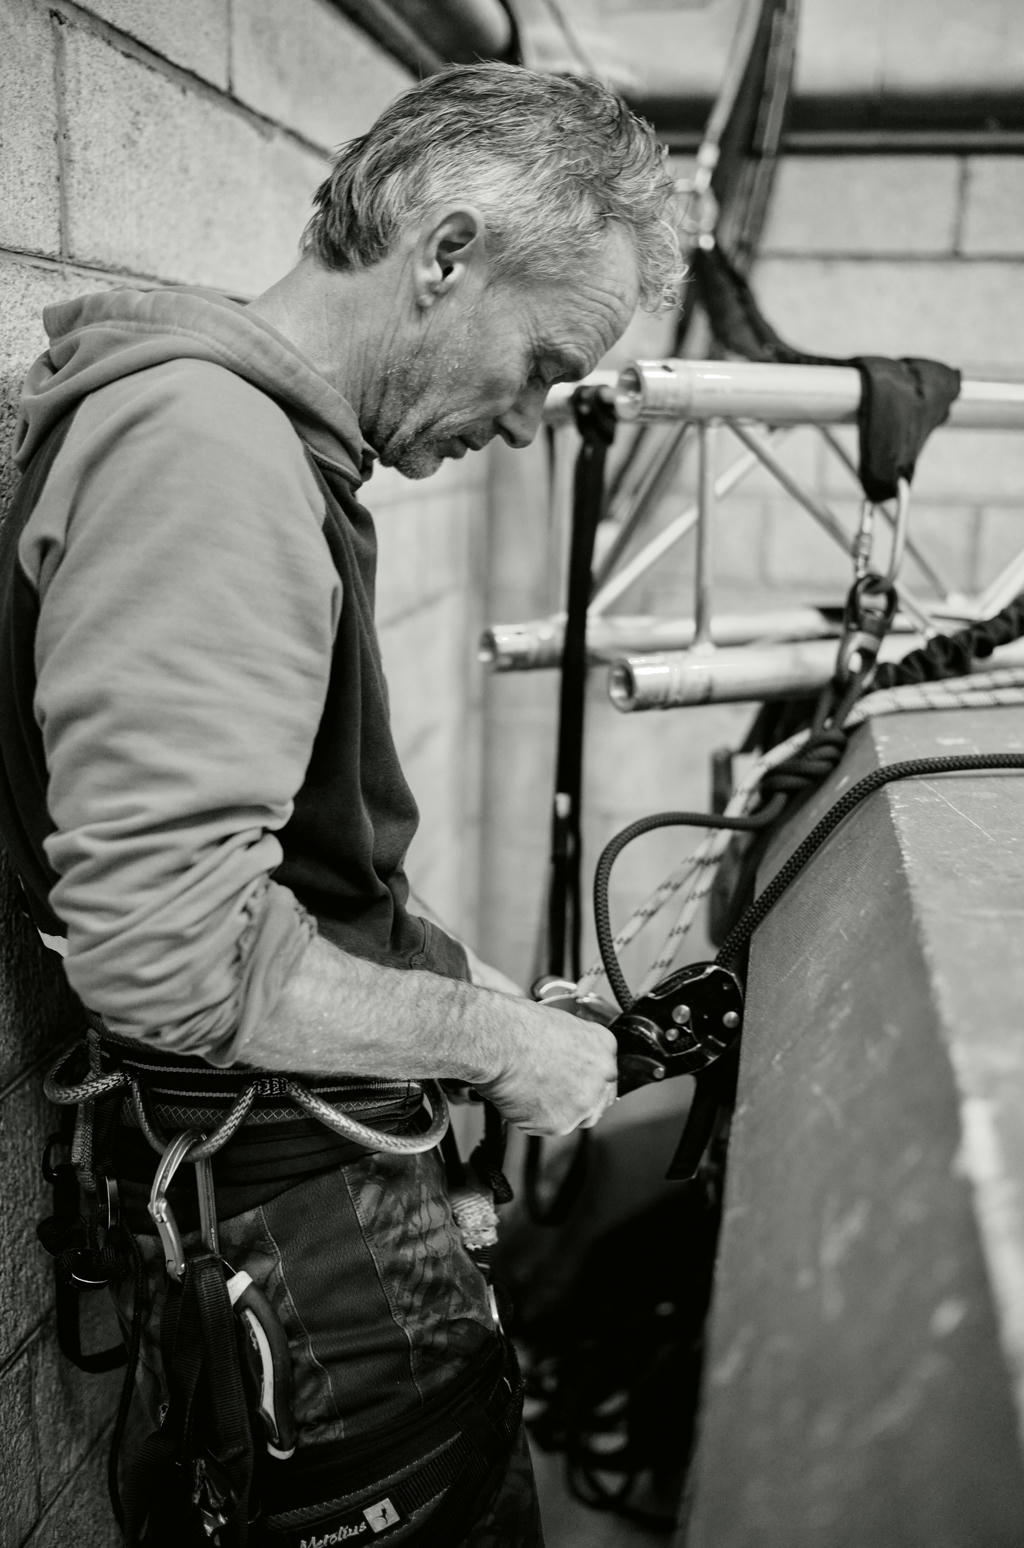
(550, 160)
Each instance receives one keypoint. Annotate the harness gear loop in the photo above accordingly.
(56, 1089)
(206, 1146)
(99, 1084)
(350, 1128)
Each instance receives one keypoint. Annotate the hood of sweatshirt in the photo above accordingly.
(97, 339)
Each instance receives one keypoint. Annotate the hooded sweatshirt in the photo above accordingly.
(204, 773)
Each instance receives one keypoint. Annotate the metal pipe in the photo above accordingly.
(461, 31)
(536, 645)
(1003, 589)
(921, 559)
(613, 589)
(761, 448)
(727, 676)
(787, 394)
(627, 511)
(821, 513)
(706, 443)
(404, 43)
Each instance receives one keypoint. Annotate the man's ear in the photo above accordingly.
(450, 247)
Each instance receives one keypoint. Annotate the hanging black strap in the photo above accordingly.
(901, 402)
(595, 419)
(86, 1251)
(191, 1481)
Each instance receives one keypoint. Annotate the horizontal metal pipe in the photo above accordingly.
(737, 675)
(525, 647)
(700, 390)
(536, 645)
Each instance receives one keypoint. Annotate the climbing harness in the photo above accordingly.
(223, 1455)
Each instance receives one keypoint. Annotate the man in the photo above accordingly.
(202, 797)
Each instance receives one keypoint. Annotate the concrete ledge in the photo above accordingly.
(866, 1352)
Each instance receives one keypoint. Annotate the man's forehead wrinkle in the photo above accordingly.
(593, 318)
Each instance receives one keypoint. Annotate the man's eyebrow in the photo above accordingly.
(566, 363)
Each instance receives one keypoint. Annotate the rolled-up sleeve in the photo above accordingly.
(188, 605)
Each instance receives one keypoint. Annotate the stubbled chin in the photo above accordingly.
(414, 461)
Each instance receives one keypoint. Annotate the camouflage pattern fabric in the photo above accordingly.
(382, 1306)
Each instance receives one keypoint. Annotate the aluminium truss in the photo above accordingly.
(656, 662)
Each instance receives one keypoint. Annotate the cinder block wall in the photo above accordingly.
(153, 143)
(890, 255)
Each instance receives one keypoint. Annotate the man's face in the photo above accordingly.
(484, 367)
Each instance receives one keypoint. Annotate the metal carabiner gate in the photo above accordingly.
(160, 1210)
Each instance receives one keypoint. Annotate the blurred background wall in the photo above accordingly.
(146, 143)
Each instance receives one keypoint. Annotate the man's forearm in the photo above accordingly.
(340, 1013)
(546, 1071)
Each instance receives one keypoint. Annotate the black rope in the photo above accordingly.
(738, 939)
(614, 848)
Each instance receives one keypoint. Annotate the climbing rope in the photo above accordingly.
(695, 875)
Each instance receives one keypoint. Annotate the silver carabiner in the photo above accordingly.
(863, 542)
(161, 1212)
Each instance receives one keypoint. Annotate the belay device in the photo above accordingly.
(685, 1025)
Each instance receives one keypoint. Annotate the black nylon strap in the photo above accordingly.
(595, 419)
(901, 403)
(205, 1434)
(83, 1252)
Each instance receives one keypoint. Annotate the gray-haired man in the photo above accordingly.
(204, 801)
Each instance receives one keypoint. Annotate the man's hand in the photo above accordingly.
(561, 1075)
(546, 1071)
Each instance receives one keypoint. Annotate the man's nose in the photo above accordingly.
(520, 423)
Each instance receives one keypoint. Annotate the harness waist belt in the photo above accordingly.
(274, 1145)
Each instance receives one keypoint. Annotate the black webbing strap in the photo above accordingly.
(901, 403)
(595, 419)
(86, 1252)
(191, 1481)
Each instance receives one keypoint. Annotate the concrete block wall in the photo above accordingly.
(892, 255)
(147, 143)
